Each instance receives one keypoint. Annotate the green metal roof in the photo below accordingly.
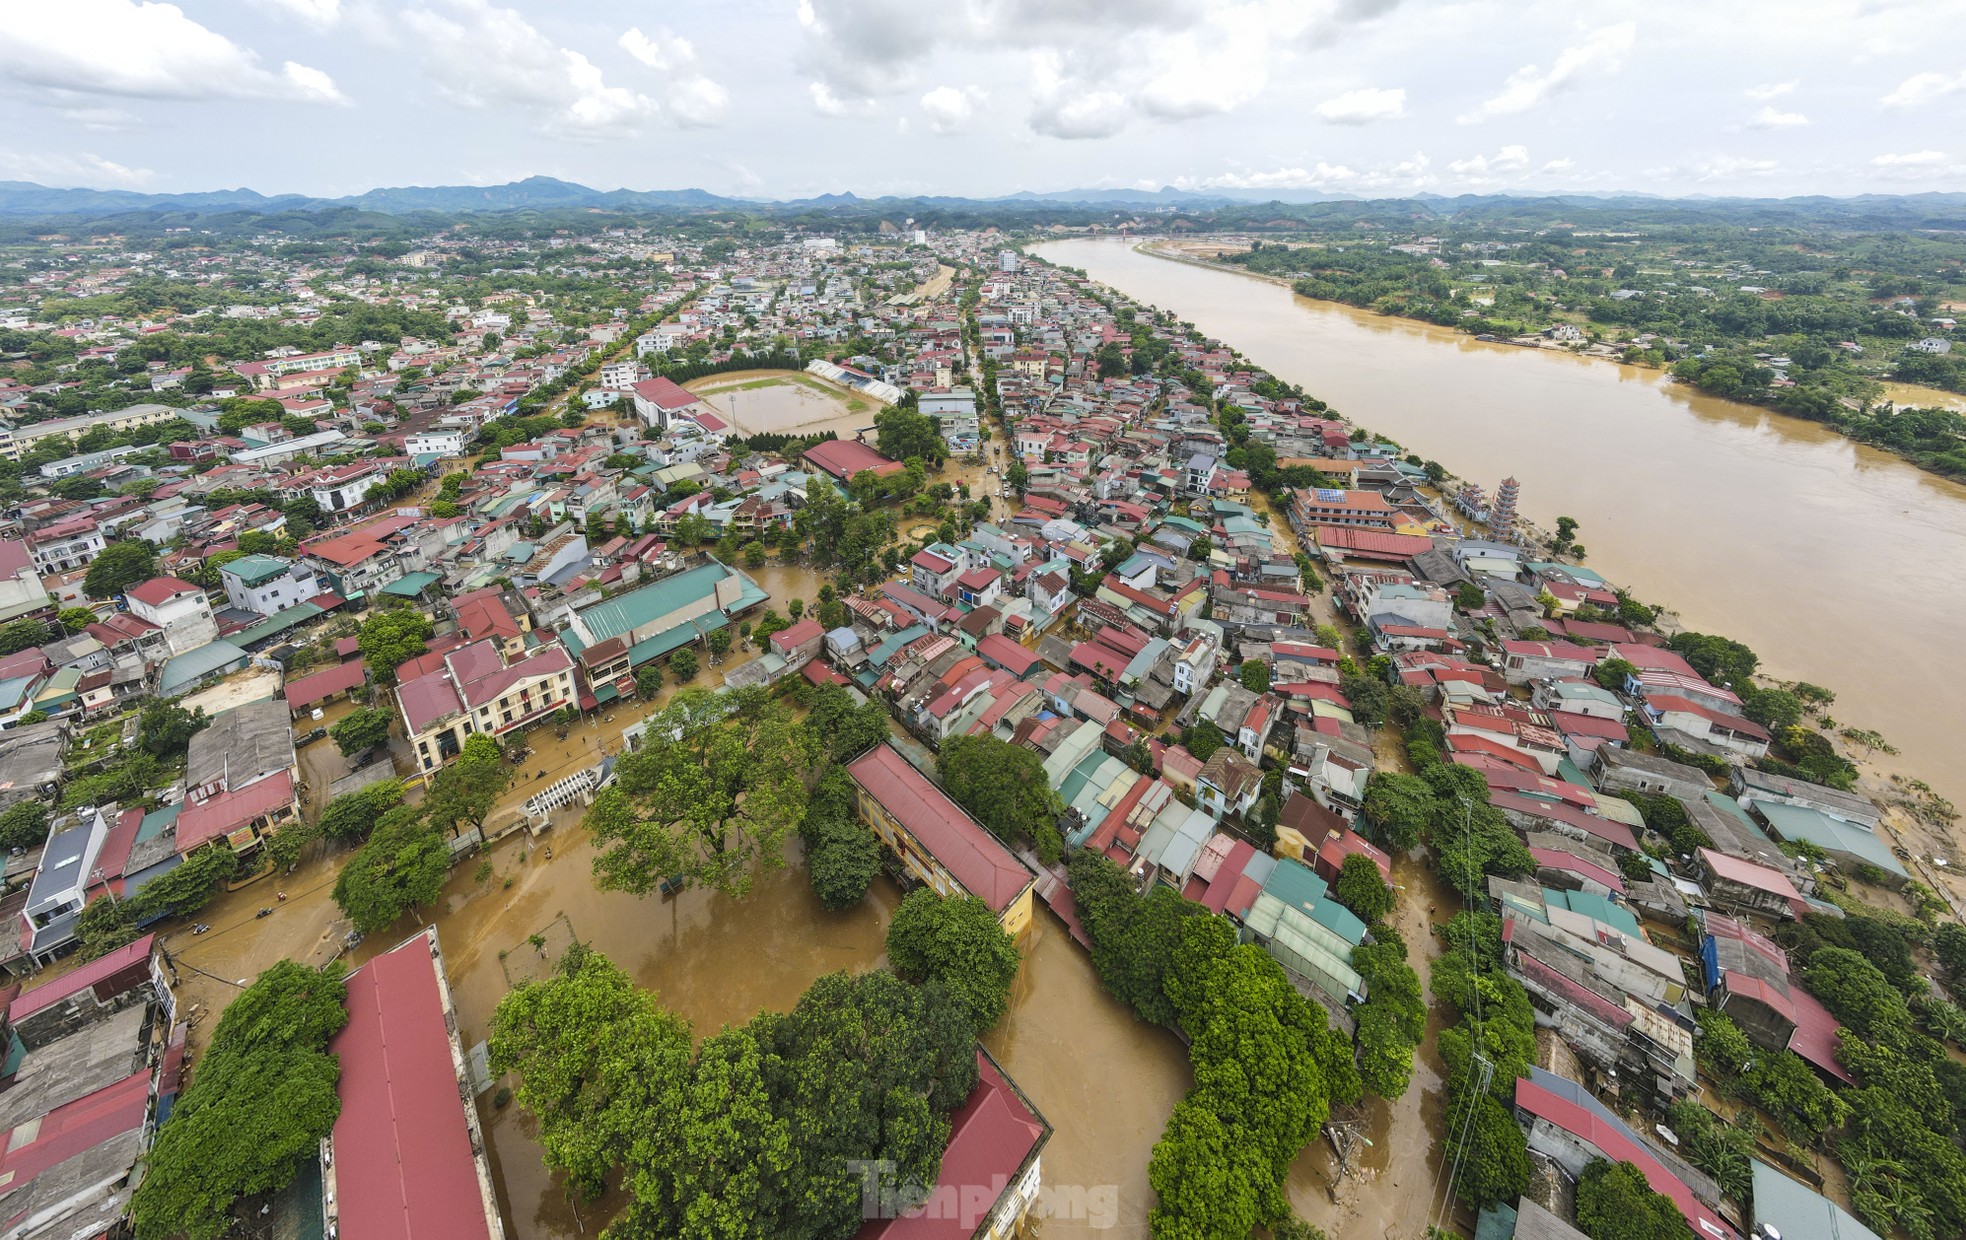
(638, 609)
(251, 570)
(194, 665)
(1799, 822)
(277, 623)
(412, 585)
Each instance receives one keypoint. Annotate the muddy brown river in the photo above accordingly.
(1837, 563)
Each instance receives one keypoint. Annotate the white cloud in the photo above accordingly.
(826, 103)
(1771, 90)
(1912, 159)
(313, 12)
(141, 50)
(1922, 88)
(1406, 176)
(74, 169)
(948, 109)
(482, 56)
(1731, 168)
(1480, 169)
(663, 51)
(1774, 118)
(1362, 107)
(692, 100)
(1602, 52)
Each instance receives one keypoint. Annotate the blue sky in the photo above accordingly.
(793, 97)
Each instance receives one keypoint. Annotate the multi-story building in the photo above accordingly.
(177, 607)
(447, 697)
(265, 584)
(66, 545)
(936, 840)
(16, 440)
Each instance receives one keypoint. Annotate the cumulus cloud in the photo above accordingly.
(1922, 88)
(1731, 168)
(947, 109)
(482, 56)
(1478, 169)
(1362, 107)
(1775, 118)
(1917, 166)
(141, 50)
(78, 169)
(1095, 65)
(1913, 159)
(1530, 87)
(691, 99)
(1405, 176)
(1771, 90)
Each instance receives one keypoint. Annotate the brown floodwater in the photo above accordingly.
(783, 402)
(1837, 563)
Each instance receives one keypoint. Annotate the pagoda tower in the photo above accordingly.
(1501, 518)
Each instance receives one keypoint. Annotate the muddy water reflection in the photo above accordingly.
(1106, 1081)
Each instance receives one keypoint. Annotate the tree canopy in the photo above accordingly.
(711, 797)
(1004, 787)
(119, 566)
(361, 730)
(259, 1103)
(957, 941)
(391, 638)
(402, 866)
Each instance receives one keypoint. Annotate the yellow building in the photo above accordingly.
(936, 841)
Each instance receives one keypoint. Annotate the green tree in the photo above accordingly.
(1857, 993)
(75, 619)
(598, 1060)
(711, 804)
(843, 728)
(352, 815)
(1399, 807)
(23, 634)
(165, 729)
(468, 787)
(361, 730)
(119, 566)
(391, 638)
(402, 866)
(1719, 659)
(1613, 673)
(263, 1097)
(648, 679)
(1361, 889)
(958, 941)
(1470, 597)
(1615, 1202)
(1003, 786)
(23, 824)
(718, 641)
(1255, 675)
(683, 664)
(1773, 709)
(1208, 1183)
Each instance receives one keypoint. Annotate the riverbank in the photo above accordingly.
(1900, 395)
(1721, 511)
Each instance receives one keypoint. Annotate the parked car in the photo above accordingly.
(309, 737)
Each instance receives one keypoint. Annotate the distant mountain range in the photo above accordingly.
(539, 193)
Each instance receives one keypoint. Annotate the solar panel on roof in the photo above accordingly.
(1330, 497)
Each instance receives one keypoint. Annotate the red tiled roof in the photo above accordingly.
(228, 811)
(75, 1128)
(403, 1157)
(990, 1136)
(94, 973)
(664, 393)
(1615, 1142)
(1815, 1034)
(160, 590)
(963, 846)
(305, 691)
(843, 458)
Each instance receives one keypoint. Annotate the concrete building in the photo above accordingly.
(936, 840)
(610, 639)
(16, 440)
(265, 584)
(446, 698)
(177, 607)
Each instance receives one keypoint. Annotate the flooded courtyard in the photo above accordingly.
(785, 402)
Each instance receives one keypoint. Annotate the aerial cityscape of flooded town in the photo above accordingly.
(1291, 692)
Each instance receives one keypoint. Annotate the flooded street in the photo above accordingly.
(1105, 1079)
(1765, 528)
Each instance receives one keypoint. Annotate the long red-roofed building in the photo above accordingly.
(408, 1157)
(936, 840)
